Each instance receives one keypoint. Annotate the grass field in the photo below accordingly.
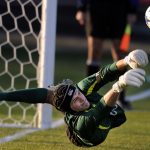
(133, 135)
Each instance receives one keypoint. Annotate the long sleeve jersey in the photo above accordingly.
(92, 126)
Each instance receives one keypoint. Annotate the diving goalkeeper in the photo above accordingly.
(88, 115)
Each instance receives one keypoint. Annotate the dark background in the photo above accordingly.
(66, 23)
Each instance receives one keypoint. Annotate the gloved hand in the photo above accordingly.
(133, 77)
(137, 58)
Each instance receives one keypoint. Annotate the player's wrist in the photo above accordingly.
(117, 88)
(126, 60)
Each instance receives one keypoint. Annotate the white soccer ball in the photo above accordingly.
(147, 16)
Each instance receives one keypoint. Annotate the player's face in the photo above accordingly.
(79, 102)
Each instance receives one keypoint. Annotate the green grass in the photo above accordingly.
(133, 135)
(4, 131)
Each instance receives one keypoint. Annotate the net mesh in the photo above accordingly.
(20, 24)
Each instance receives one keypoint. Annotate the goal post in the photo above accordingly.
(47, 57)
(27, 58)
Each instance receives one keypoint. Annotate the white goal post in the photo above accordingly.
(27, 56)
(47, 56)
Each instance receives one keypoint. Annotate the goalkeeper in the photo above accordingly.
(88, 115)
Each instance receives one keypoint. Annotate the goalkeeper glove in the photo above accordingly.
(136, 58)
(133, 77)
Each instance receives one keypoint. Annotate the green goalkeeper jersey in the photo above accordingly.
(90, 128)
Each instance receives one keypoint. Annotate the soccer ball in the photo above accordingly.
(147, 16)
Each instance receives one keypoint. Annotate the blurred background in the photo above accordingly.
(68, 26)
(71, 37)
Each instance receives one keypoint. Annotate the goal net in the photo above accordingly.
(22, 52)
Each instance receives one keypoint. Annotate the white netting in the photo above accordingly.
(20, 23)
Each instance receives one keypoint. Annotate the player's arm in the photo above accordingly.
(93, 116)
(135, 59)
(133, 77)
(33, 95)
(106, 74)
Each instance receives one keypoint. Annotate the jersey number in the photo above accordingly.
(114, 112)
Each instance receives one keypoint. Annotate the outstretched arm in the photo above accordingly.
(106, 74)
(35, 95)
(121, 66)
(136, 59)
(111, 97)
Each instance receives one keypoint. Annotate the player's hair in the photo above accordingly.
(62, 95)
